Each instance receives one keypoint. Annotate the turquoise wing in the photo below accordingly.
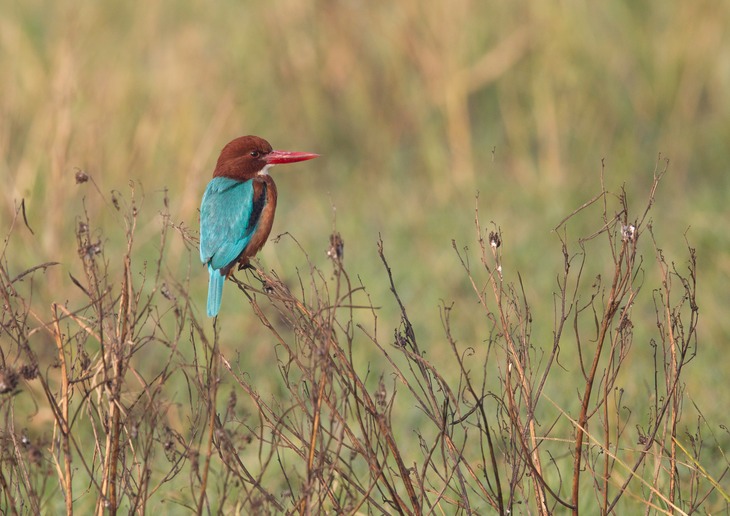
(225, 221)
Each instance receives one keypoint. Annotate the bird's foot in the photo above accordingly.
(242, 266)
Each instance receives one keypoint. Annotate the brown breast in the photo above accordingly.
(264, 189)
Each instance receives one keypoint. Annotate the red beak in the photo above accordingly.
(278, 157)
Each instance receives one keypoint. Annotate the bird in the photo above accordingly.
(238, 207)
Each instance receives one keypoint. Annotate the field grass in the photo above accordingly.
(425, 113)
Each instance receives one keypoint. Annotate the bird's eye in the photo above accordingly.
(255, 154)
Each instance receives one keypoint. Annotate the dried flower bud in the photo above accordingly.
(381, 394)
(165, 291)
(628, 233)
(29, 371)
(35, 455)
(81, 176)
(8, 380)
(336, 249)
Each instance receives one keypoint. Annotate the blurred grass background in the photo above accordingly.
(415, 107)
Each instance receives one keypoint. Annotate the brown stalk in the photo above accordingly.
(515, 360)
(616, 293)
(62, 418)
(212, 395)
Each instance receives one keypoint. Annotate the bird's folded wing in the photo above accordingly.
(225, 213)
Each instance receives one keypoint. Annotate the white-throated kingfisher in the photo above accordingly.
(238, 208)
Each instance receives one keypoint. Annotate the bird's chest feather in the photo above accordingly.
(262, 213)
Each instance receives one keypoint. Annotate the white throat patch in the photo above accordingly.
(264, 171)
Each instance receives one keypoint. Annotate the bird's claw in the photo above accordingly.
(242, 266)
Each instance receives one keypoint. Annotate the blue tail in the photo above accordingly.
(215, 291)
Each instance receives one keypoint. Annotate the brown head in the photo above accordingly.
(247, 156)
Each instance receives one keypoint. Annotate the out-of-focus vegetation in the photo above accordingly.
(416, 107)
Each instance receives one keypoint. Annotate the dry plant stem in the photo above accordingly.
(516, 361)
(118, 361)
(616, 294)
(672, 319)
(672, 376)
(212, 394)
(344, 367)
(263, 410)
(524, 382)
(621, 287)
(97, 298)
(651, 442)
(305, 507)
(328, 441)
(479, 398)
(526, 453)
(305, 504)
(673, 393)
(385, 429)
(60, 420)
(632, 471)
(412, 339)
(3, 481)
(24, 473)
(498, 501)
(323, 371)
(63, 420)
(7, 493)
